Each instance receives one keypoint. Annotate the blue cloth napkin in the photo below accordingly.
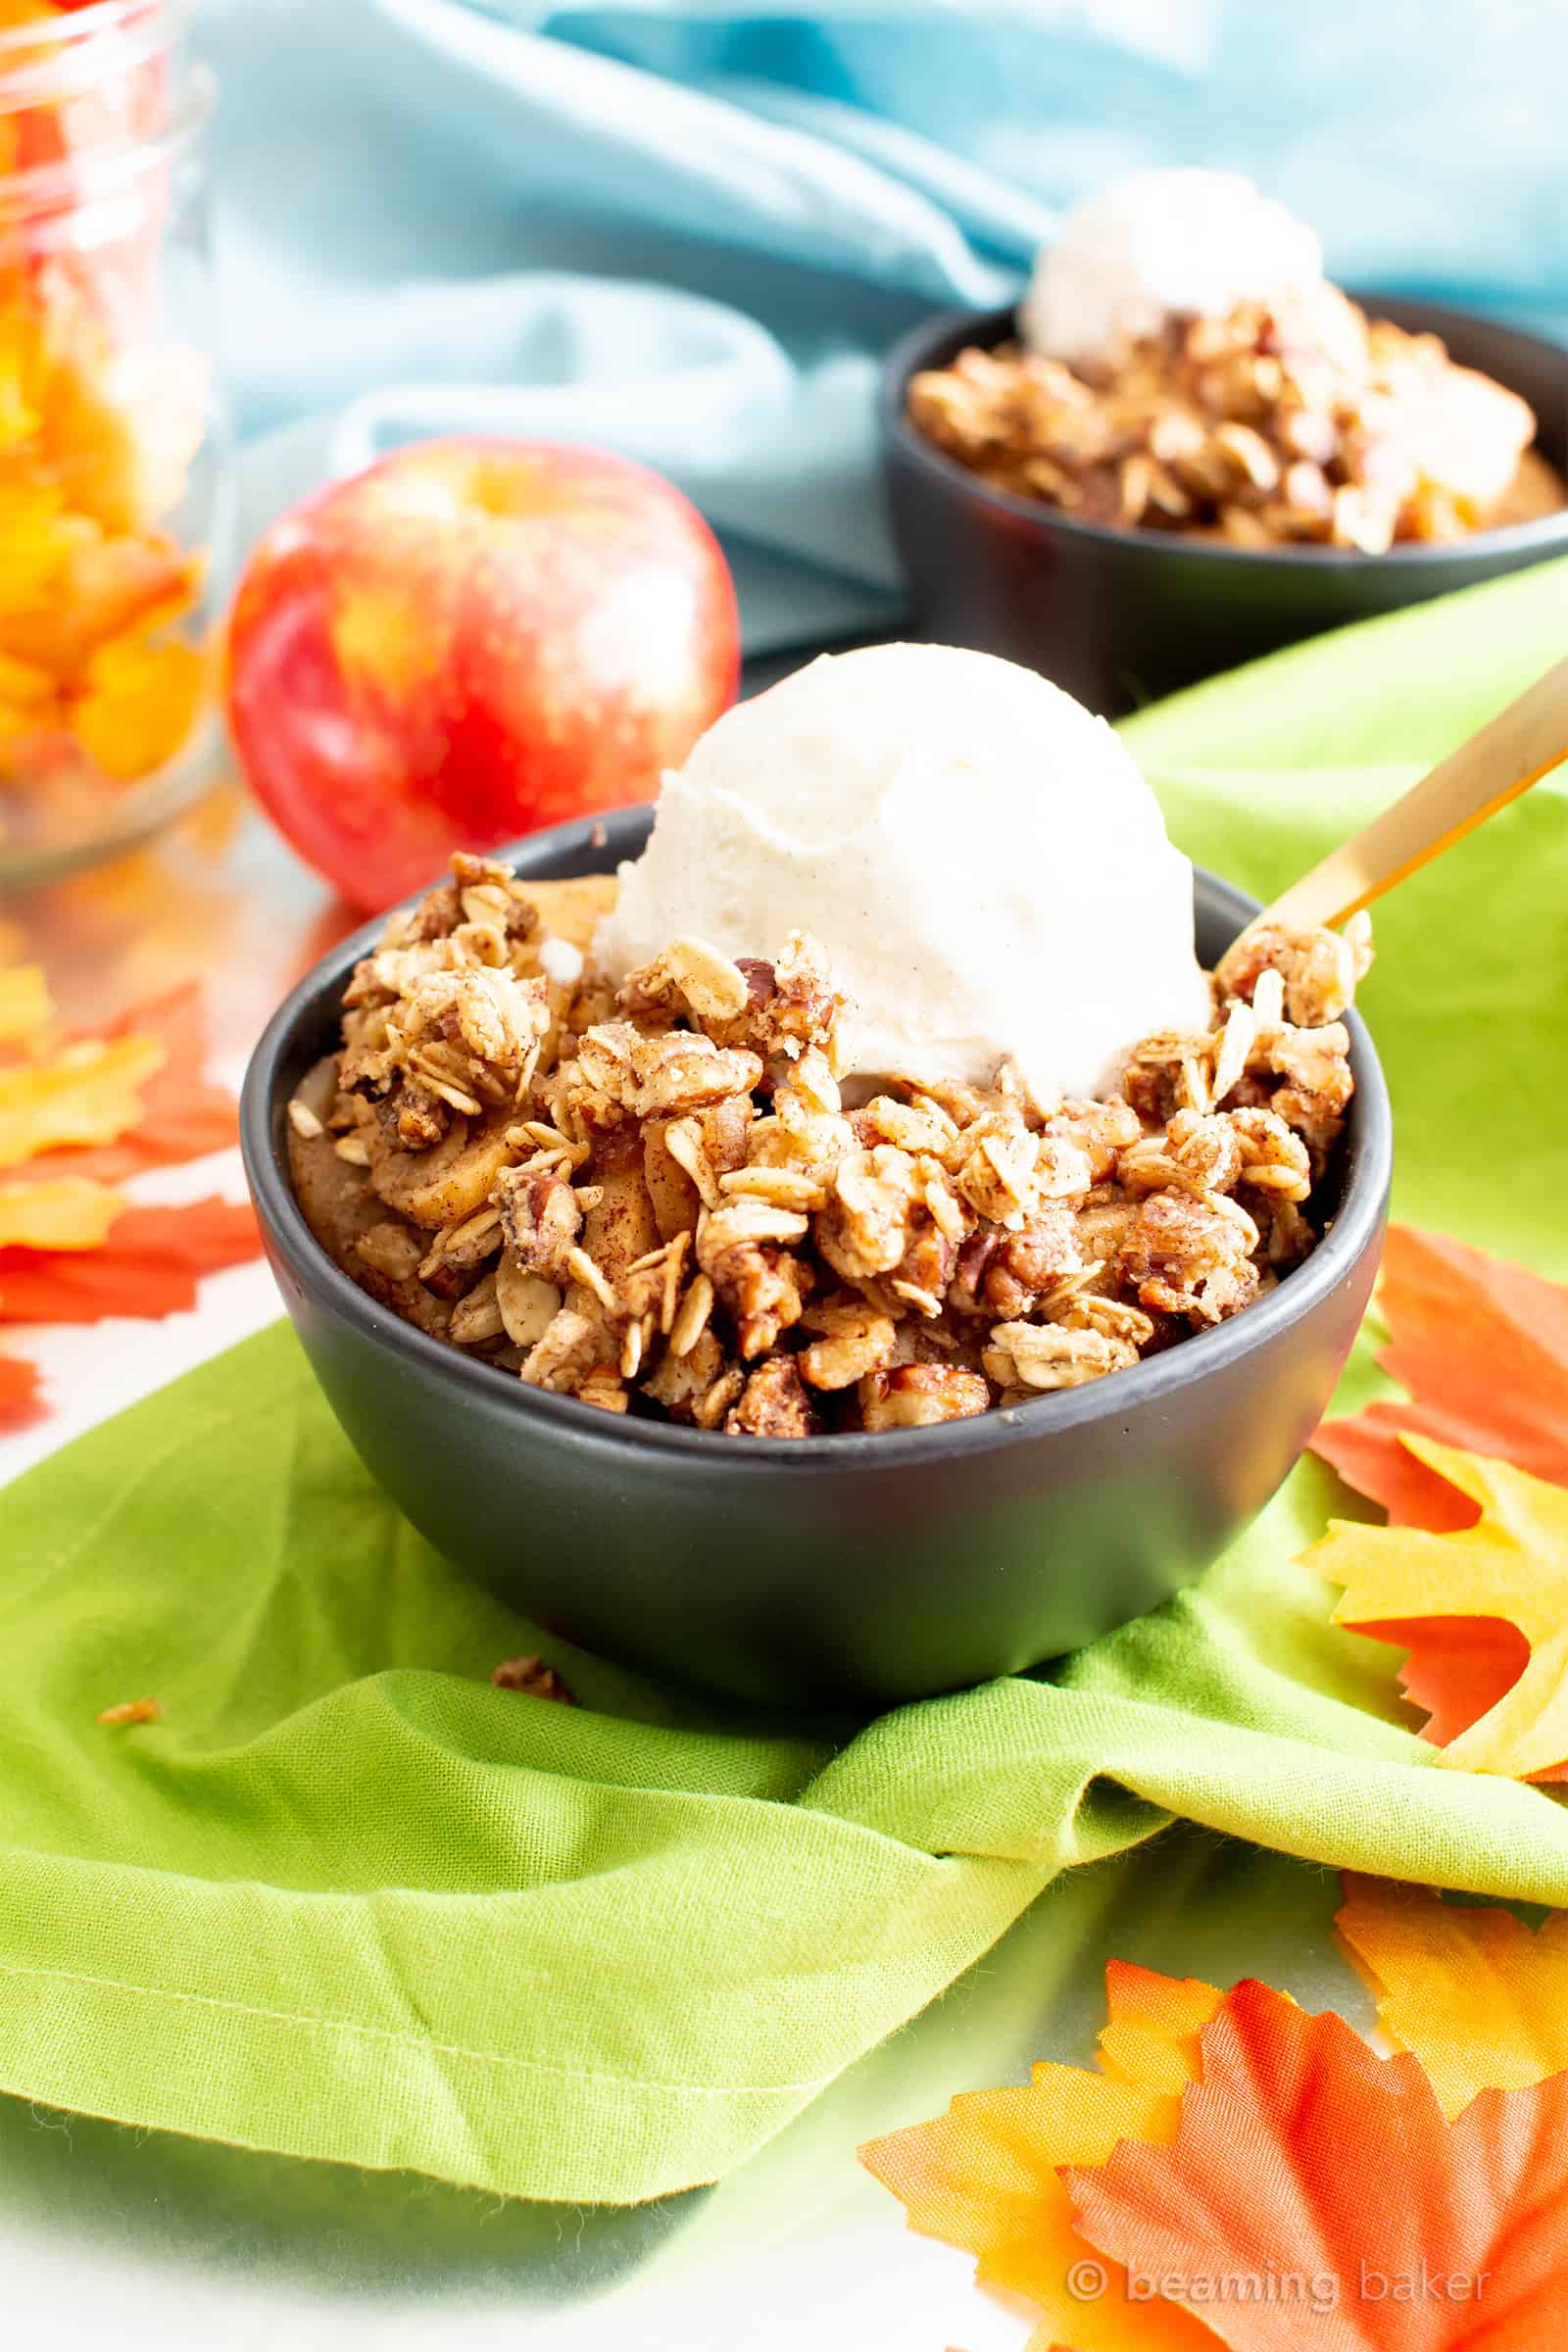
(688, 233)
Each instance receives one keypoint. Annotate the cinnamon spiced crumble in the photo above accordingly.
(657, 1200)
(1259, 427)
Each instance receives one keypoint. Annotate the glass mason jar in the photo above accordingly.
(113, 454)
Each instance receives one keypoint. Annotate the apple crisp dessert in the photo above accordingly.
(1272, 424)
(657, 1199)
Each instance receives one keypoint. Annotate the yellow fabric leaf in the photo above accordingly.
(984, 2176)
(25, 1010)
(84, 1093)
(1512, 1566)
(70, 1212)
(1476, 1995)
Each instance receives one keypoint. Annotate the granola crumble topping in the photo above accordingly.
(659, 1204)
(1249, 427)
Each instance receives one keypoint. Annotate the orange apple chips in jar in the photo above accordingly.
(114, 475)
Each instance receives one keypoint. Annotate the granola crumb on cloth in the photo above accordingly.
(133, 1710)
(657, 1202)
(533, 1677)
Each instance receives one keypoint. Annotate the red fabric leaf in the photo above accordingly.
(1314, 2200)
(147, 1267)
(20, 1398)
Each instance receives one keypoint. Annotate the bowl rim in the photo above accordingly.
(581, 846)
(914, 350)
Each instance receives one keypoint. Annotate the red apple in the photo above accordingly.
(467, 641)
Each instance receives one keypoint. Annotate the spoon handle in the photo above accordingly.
(1503, 758)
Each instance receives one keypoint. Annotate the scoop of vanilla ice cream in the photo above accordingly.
(1159, 244)
(984, 865)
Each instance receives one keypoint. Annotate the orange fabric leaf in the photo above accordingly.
(148, 1265)
(20, 1401)
(1482, 1346)
(82, 1092)
(1315, 2198)
(1476, 1995)
(1483, 1610)
(182, 1117)
(26, 1009)
(984, 2176)
(69, 1213)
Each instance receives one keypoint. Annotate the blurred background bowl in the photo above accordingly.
(1121, 616)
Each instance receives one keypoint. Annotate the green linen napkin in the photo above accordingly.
(347, 1900)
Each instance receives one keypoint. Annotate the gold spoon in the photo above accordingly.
(1494, 765)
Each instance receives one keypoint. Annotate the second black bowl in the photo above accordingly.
(1120, 616)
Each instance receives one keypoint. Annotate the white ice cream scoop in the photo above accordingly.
(1158, 245)
(982, 859)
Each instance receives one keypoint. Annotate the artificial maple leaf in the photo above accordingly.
(1482, 1346)
(19, 1392)
(68, 1213)
(1479, 1997)
(84, 1093)
(1497, 1592)
(24, 1007)
(182, 1117)
(984, 2176)
(147, 1266)
(1315, 2198)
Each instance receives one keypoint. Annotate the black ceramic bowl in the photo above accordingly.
(1120, 616)
(858, 1568)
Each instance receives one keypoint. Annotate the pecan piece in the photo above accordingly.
(920, 1396)
(540, 1219)
(774, 1404)
(1189, 1256)
(1053, 1356)
(664, 1076)
(864, 1229)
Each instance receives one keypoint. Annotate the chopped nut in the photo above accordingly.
(1189, 1256)
(540, 1218)
(673, 1072)
(774, 1403)
(857, 1342)
(353, 1150)
(304, 1121)
(920, 1396)
(568, 1350)
(864, 1228)
(1053, 1356)
(682, 1381)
